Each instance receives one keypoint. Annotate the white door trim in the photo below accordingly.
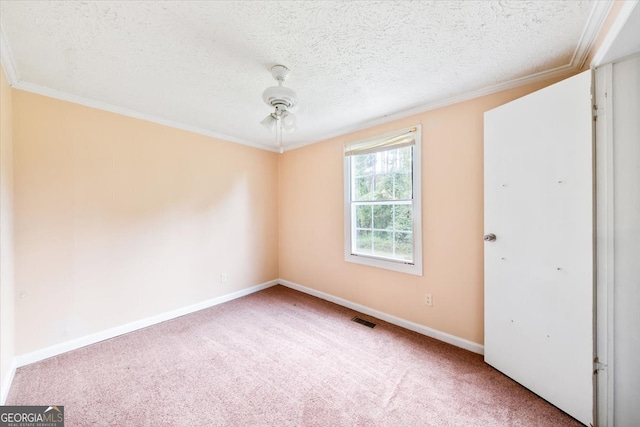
(604, 245)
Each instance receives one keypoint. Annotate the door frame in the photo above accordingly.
(605, 254)
(616, 40)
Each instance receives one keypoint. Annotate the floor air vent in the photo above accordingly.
(364, 322)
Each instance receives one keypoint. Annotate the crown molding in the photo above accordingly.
(99, 105)
(597, 17)
(565, 70)
(8, 64)
(594, 25)
(6, 59)
(621, 19)
(591, 31)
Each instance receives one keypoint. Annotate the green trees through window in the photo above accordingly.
(381, 203)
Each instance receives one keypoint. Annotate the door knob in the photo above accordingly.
(490, 237)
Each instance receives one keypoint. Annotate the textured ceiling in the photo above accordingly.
(204, 65)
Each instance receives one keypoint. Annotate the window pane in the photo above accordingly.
(363, 216)
(405, 159)
(404, 246)
(403, 217)
(363, 242)
(385, 159)
(392, 159)
(383, 187)
(383, 217)
(383, 243)
(363, 188)
(364, 164)
(403, 187)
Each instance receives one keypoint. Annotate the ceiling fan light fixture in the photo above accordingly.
(288, 121)
(281, 99)
(270, 122)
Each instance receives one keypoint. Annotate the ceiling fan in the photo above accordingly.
(282, 99)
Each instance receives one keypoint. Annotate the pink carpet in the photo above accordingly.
(278, 358)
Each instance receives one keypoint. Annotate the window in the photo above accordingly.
(382, 202)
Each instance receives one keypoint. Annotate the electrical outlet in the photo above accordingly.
(428, 300)
(224, 278)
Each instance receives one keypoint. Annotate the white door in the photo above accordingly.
(539, 284)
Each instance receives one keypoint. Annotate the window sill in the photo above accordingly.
(399, 266)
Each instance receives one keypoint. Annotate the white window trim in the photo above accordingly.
(373, 261)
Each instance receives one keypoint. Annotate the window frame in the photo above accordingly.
(414, 268)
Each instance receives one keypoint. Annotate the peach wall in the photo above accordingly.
(7, 326)
(312, 222)
(118, 219)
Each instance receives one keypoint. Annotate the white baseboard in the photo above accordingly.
(64, 347)
(57, 349)
(6, 384)
(415, 327)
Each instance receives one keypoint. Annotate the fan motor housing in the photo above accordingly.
(280, 95)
